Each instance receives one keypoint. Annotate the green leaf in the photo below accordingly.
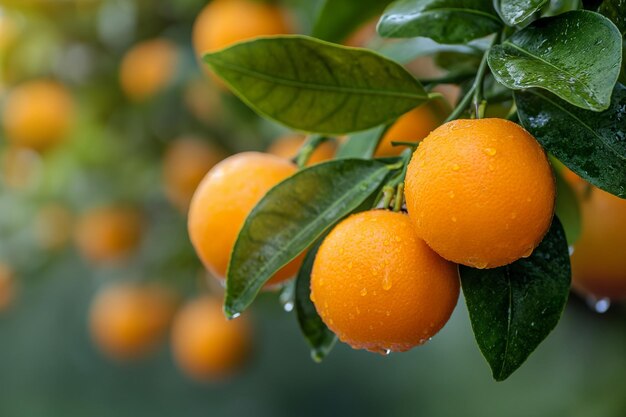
(616, 11)
(319, 337)
(406, 50)
(513, 308)
(290, 217)
(339, 18)
(576, 55)
(567, 208)
(516, 11)
(591, 144)
(362, 144)
(444, 21)
(316, 86)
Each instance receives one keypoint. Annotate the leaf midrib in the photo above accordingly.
(585, 88)
(310, 86)
(247, 288)
(425, 12)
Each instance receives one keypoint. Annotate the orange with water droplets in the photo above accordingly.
(224, 199)
(599, 258)
(207, 346)
(378, 286)
(289, 145)
(413, 126)
(480, 192)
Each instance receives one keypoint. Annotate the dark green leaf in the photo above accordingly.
(290, 217)
(406, 50)
(591, 144)
(362, 144)
(516, 11)
(339, 18)
(575, 55)
(616, 11)
(319, 337)
(445, 21)
(513, 308)
(567, 209)
(316, 86)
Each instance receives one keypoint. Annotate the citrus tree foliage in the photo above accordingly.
(558, 65)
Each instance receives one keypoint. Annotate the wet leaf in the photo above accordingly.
(290, 217)
(316, 86)
(444, 21)
(591, 144)
(406, 50)
(513, 308)
(575, 55)
(339, 18)
(362, 144)
(320, 338)
(516, 11)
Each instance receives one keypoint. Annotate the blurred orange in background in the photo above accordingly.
(288, 146)
(7, 286)
(207, 346)
(129, 320)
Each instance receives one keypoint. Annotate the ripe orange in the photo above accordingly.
(127, 321)
(222, 202)
(413, 126)
(206, 345)
(289, 145)
(380, 287)
(147, 68)
(185, 163)
(38, 114)
(108, 234)
(7, 286)
(599, 258)
(224, 22)
(480, 192)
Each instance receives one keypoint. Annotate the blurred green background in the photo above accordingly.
(49, 365)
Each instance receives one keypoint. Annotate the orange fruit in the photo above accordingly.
(128, 321)
(147, 68)
(599, 258)
(480, 192)
(378, 286)
(7, 286)
(288, 146)
(53, 226)
(38, 114)
(203, 101)
(108, 234)
(413, 126)
(222, 202)
(185, 163)
(206, 345)
(224, 22)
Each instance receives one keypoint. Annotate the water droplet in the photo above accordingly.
(331, 322)
(455, 167)
(387, 283)
(490, 151)
(235, 315)
(388, 313)
(398, 239)
(451, 194)
(312, 297)
(570, 249)
(480, 264)
(453, 218)
(341, 251)
(492, 167)
(599, 305)
(358, 310)
(528, 252)
(288, 306)
(363, 292)
(349, 265)
(513, 215)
